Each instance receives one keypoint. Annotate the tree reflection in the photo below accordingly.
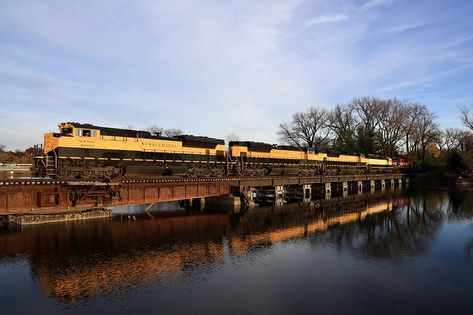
(404, 231)
(460, 208)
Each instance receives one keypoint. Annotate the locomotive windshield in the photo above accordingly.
(66, 131)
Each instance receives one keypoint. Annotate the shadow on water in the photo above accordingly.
(78, 261)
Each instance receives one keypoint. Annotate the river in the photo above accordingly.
(390, 253)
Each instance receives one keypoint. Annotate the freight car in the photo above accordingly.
(402, 163)
(84, 151)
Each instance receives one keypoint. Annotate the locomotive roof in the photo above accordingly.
(192, 138)
(262, 145)
(289, 147)
(107, 131)
(250, 144)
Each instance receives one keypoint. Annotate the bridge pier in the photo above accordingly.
(328, 191)
(307, 193)
(372, 185)
(198, 203)
(345, 189)
(279, 195)
(359, 185)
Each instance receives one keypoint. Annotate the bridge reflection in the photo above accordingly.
(81, 260)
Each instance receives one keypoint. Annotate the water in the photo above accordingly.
(383, 253)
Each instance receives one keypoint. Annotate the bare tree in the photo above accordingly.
(307, 129)
(155, 130)
(172, 132)
(425, 132)
(391, 119)
(466, 116)
(465, 140)
(369, 125)
(159, 131)
(369, 111)
(343, 125)
(2, 147)
(287, 135)
(413, 112)
(451, 139)
(232, 137)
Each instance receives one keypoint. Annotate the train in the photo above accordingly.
(88, 152)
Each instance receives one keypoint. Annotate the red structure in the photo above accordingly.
(49, 196)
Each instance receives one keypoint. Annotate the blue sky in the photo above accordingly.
(219, 67)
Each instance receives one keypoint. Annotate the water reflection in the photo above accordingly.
(84, 259)
(404, 231)
(77, 262)
(270, 225)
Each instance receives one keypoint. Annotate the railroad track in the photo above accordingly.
(176, 179)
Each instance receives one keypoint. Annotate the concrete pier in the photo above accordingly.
(344, 189)
(307, 193)
(279, 195)
(328, 190)
(359, 185)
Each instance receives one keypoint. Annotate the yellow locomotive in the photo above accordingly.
(258, 158)
(84, 151)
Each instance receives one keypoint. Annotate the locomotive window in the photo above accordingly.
(86, 133)
(66, 131)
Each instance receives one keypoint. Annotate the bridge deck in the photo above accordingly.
(36, 196)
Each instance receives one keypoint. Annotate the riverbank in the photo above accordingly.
(434, 179)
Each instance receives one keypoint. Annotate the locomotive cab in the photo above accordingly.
(67, 129)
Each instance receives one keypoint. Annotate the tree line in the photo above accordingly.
(366, 125)
(376, 126)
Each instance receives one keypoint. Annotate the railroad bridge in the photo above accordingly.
(46, 196)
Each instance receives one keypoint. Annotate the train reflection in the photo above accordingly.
(270, 225)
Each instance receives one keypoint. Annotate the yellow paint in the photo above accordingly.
(99, 142)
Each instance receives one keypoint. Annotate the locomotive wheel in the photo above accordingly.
(63, 172)
(109, 173)
(86, 174)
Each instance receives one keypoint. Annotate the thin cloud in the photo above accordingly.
(327, 19)
(376, 3)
